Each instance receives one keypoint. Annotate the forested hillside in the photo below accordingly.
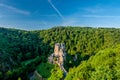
(105, 65)
(21, 51)
(84, 42)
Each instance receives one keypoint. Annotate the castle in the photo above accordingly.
(59, 55)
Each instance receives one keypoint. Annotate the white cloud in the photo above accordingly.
(68, 22)
(100, 16)
(53, 15)
(94, 10)
(53, 6)
(14, 9)
(98, 8)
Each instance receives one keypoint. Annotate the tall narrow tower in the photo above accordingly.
(56, 49)
(59, 53)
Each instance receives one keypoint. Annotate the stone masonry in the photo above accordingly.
(59, 55)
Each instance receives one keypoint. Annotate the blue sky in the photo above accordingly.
(44, 14)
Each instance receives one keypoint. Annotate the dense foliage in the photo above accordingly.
(44, 69)
(20, 49)
(81, 41)
(105, 65)
(57, 74)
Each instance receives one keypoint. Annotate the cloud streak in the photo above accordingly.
(14, 9)
(53, 6)
(99, 16)
(95, 9)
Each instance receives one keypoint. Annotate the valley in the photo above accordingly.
(92, 53)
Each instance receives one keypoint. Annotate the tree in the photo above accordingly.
(56, 74)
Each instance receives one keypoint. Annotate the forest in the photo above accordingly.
(97, 50)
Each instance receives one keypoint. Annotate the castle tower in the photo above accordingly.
(61, 59)
(59, 53)
(56, 49)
